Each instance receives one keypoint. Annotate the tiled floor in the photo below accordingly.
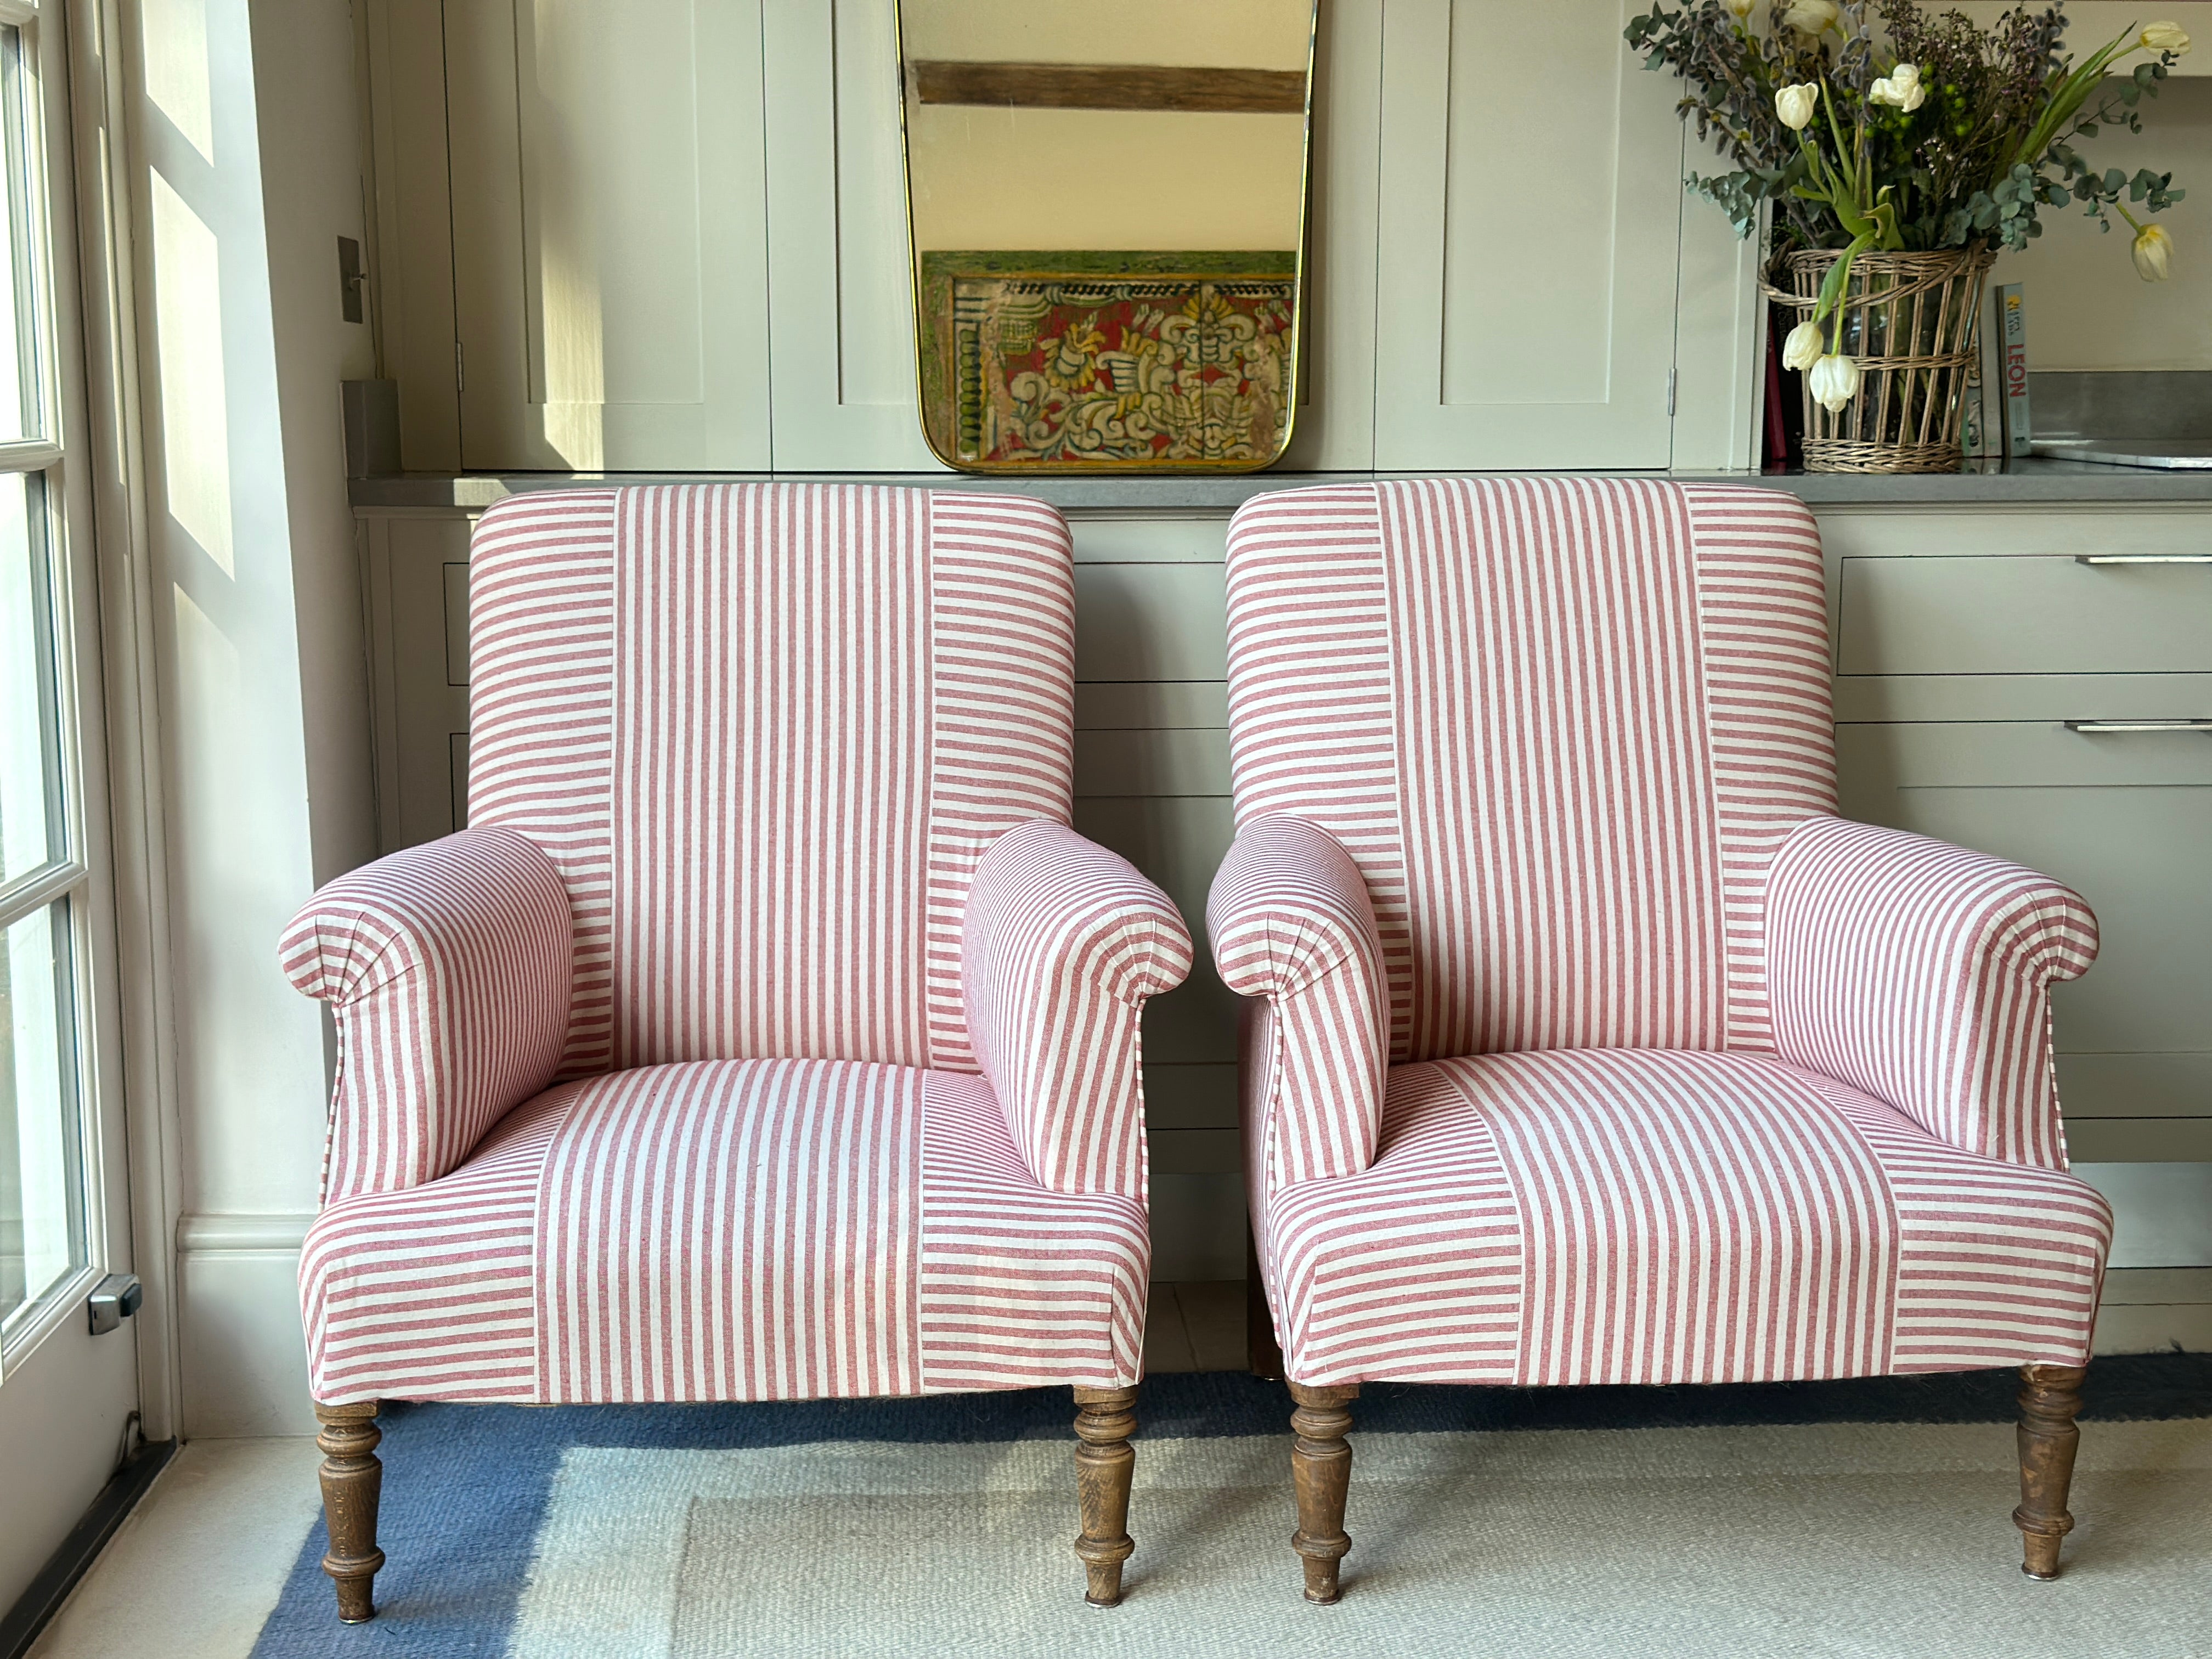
(194, 1570)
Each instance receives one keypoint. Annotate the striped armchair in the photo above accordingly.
(1586, 1044)
(768, 1034)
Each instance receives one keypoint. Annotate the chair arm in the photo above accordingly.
(1061, 944)
(1292, 921)
(1920, 973)
(447, 969)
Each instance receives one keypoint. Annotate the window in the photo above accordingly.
(44, 876)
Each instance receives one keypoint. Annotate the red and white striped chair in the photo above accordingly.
(1588, 1045)
(768, 1034)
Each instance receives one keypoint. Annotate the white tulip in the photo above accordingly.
(1834, 382)
(1902, 89)
(1796, 104)
(1802, 349)
(1741, 9)
(1810, 17)
(2151, 249)
(2163, 37)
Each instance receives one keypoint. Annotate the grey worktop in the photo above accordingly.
(2019, 482)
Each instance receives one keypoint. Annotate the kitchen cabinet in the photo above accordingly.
(670, 236)
(1531, 247)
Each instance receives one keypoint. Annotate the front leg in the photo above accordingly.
(1321, 1467)
(353, 1481)
(2049, 1397)
(1104, 1462)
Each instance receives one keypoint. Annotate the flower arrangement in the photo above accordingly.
(1878, 126)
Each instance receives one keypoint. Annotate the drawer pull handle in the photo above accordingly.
(2094, 727)
(2143, 558)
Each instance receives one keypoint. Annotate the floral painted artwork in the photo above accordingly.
(1071, 362)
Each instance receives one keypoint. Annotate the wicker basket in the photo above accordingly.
(1910, 320)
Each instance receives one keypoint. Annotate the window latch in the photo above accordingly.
(113, 1300)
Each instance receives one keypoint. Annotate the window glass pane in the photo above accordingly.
(30, 815)
(41, 1162)
(19, 375)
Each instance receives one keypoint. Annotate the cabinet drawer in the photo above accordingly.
(2038, 613)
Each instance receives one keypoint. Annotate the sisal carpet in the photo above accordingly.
(1867, 1518)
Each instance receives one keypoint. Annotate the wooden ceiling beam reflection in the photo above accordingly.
(1111, 86)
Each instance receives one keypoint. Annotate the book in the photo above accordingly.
(2011, 321)
(1973, 425)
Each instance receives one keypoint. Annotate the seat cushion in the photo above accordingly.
(1653, 1215)
(728, 1229)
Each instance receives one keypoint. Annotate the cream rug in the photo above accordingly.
(1833, 1539)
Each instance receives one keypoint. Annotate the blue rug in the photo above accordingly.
(466, 1487)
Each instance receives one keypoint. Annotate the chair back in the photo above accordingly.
(1561, 724)
(765, 731)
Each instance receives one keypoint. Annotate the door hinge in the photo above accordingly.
(461, 375)
(1670, 390)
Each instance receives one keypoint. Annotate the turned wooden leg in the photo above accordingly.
(1320, 1465)
(2049, 1397)
(352, 1481)
(1104, 1420)
(1261, 1352)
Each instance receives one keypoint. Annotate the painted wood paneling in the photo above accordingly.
(1529, 227)
(413, 289)
(2032, 613)
(841, 331)
(609, 195)
(598, 224)
(416, 582)
(1868, 697)
(1335, 429)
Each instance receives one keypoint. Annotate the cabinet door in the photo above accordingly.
(842, 328)
(2125, 820)
(609, 229)
(1530, 223)
(417, 568)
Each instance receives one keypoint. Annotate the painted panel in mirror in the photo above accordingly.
(1107, 210)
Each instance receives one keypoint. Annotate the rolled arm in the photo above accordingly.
(1061, 943)
(447, 969)
(1920, 973)
(1291, 921)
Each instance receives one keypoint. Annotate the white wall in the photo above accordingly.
(2086, 308)
(243, 120)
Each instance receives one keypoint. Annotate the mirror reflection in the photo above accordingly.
(1107, 212)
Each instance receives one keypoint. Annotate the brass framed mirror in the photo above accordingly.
(1106, 211)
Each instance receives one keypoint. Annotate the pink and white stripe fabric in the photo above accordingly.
(1560, 725)
(770, 773)
(449, 966)
(1648, 1216)
(541, 719)
(1763, 639)
(729, 1230)
(1291, 923)
(1920, 973)
(1021, 1284)
(766, 731)
(768, 805)
(1063, 936)
(1693, 1081)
